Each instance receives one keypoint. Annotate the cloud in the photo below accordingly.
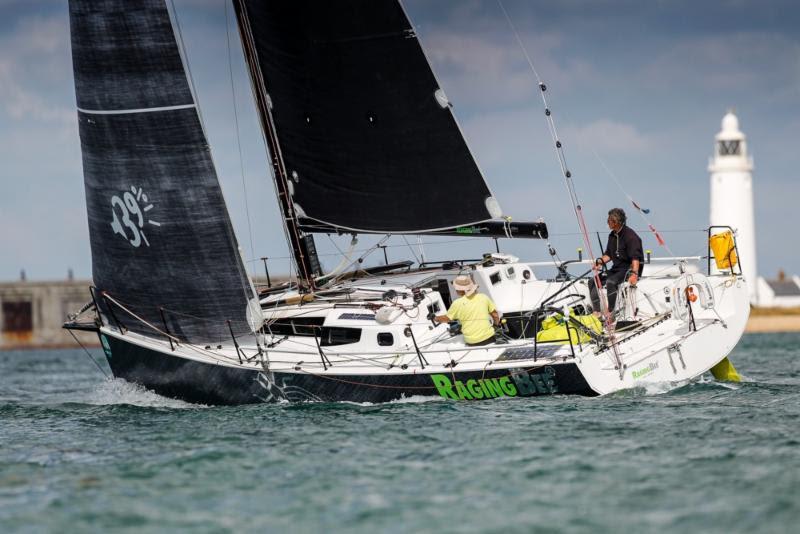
(35, 65)
(644, 85)
(493, 72)
(41, 198)
(728, 62)
(609, 136)
(482, 65)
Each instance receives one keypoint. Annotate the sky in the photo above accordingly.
(637, 90)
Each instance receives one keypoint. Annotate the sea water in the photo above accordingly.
(81, 453)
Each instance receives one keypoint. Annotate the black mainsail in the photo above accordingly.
(161, 238)
(367, 139)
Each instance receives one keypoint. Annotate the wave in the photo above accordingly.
(119, 391)
(648, 389)
(705, 382)
(414, 399)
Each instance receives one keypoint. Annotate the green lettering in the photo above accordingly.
(539, 383)
(462, 391)
(549, 379)
(443, 386)
(508, 388)
(641, 372)
(486, 391)
(492, 385)
(474, 388)
(524, 384)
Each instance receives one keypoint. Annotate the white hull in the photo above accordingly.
(664, 346)
(671, 352)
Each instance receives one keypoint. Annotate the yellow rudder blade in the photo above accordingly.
(725, 371)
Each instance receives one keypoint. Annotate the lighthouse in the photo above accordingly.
(732, 195)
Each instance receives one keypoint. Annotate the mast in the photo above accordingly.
(302, 244)
(366, 146)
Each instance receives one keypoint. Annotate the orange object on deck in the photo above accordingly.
(691, 296)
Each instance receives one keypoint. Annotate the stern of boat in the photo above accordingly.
(705, 318)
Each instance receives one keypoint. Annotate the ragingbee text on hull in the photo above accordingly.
(172, 302)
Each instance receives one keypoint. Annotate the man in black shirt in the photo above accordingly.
(624, 249)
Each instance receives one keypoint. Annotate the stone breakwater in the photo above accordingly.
(773, 323)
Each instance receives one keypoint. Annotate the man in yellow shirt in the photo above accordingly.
(475, 311)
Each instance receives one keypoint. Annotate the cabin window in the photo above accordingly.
(385, 339)
(495, 278)
(443, 287)
(296, 326)
(336, 335)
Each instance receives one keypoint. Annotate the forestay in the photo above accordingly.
(160, 232)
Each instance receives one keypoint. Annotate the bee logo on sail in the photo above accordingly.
(130, 217)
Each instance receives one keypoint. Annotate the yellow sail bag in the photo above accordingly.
(555, 330)
(723, 249)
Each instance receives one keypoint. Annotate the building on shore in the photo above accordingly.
(31, 313)
(780, 292)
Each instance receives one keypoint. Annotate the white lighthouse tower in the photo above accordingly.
(732, 195)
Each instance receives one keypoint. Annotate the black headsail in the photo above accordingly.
(160, 233)
(367, 139)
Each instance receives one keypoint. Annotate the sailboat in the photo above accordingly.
(361, 140)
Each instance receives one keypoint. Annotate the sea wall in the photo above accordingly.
(765, 320)
(31, 313)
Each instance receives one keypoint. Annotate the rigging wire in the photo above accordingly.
(553, 254)
(248, 291)
(185, 60)
(88, 355)
(238, 135)
(421, 249)
(344, 263)
(419, 262)
(343, 358)
(359, 261)
(451, 241)
(570, 185)
(642, 211)
(276, 167)
(554, 134)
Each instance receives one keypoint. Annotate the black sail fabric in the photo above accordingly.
(160, 232)
(366, 143)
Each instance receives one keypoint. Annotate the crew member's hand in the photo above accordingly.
(633, 279)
